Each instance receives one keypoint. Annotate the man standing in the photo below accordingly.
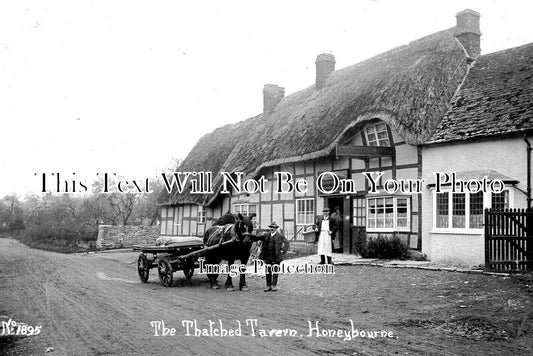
(338, 218)
(325, 229)
(274, 247)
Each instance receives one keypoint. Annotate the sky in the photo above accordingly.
(125, 87)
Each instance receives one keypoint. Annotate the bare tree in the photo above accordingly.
(123, 204)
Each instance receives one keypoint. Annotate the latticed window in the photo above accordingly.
(377, 135)
(466, 210)
(201, 214)
(305, 211)
(476, 210)
(247, 210)
(458, 210)
(387, 214)
(442, 210)
(402, 213)
(500, 200)
(359, 212)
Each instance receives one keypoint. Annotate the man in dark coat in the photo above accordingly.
(335, 239)
(274, 247)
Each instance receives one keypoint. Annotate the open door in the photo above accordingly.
(340, 209)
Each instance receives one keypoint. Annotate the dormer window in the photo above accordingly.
(377, 135)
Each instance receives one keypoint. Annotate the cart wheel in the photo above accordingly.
(143, 267)
(165, 271)
(188, 270)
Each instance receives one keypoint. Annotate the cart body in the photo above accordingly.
(179, 255)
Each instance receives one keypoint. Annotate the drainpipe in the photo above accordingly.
(528, 172)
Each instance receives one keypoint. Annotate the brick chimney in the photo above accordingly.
(325, 65)
(272, 95)
(467, 31)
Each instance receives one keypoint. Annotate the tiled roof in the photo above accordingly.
(479, 174)
(496, 98)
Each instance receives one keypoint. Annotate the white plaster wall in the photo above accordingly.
(358, 164)
(289, 211)
(266, 218)
(406, 154)
(277, 215)
(341, 163)
(507, 156)
(468, 250)
(225, 205)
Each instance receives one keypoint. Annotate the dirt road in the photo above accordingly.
(95, 305)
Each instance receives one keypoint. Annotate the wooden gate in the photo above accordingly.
(509, 239)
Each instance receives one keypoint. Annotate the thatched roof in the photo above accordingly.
(409, 87)
(496, 98)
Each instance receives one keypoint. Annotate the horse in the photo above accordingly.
(227, 228)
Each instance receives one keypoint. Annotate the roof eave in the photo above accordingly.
(480, 138)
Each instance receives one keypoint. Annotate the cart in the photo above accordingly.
(178, 256)
(182, 255)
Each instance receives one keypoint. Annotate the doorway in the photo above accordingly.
(338, 212)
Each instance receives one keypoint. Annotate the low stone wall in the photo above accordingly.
(114, 236)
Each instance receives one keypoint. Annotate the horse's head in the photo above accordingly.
(244, 228)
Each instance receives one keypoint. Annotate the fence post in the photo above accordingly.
(529, 238)
(487, 242)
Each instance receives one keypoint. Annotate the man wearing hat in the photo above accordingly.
(325, 229)
(274, 247)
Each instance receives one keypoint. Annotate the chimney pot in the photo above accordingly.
(467, 31)
(325, 65)
(272, 95)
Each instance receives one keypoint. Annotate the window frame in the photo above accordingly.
(306, 213)
(201, 217)
(510, 198)
(487, 204)
(395, 214)
(254, 219)
(359, 211)
(375, 133)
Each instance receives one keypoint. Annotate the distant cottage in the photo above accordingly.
(432, 105)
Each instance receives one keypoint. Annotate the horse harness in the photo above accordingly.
(221, 233)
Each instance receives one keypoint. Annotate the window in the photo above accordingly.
(500, 200)
(201, 214)
(458, 210)
(388, 214)
(247, 209)
(359, 212)
(402, 213)
(467, 209)
(442, 210)
(462, 211)
(476, 210)
(377, 135)
(305, 211)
